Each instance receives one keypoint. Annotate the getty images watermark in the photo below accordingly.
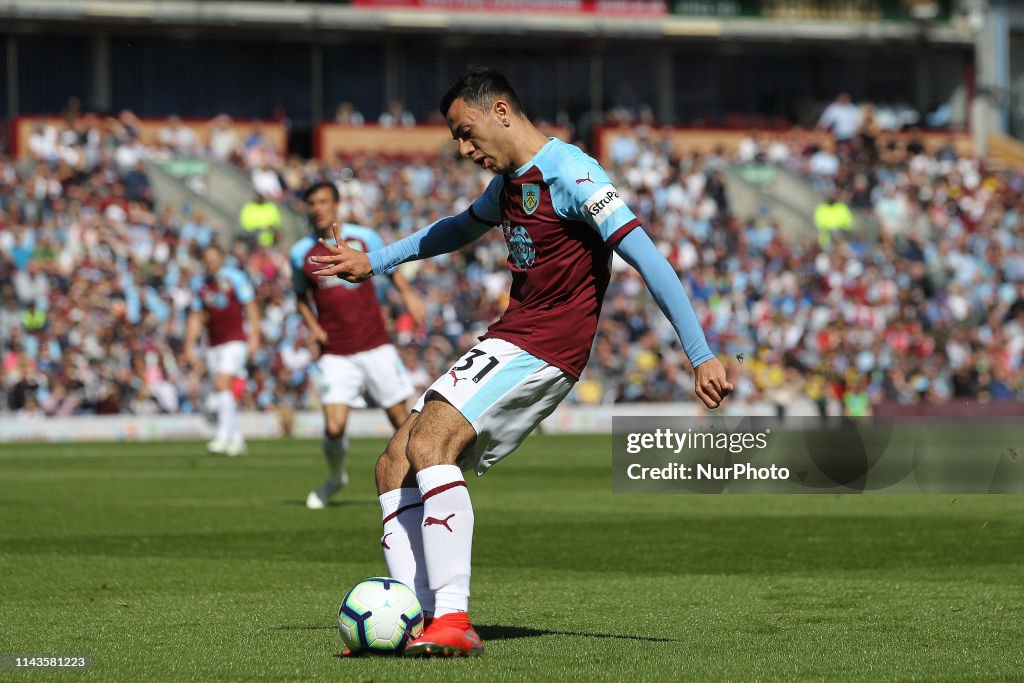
(668, 440)
(816, 455)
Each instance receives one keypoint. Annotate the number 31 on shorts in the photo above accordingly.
(486, 372)
(471, 362)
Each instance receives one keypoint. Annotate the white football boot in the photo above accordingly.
(218, 445)
(321, 498)
(236, 447)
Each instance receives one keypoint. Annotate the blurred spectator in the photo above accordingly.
(195, 230)
(267, 182)
(348, 115)
(258, 151)
(178, 138)
(842, 117)
(260, 220)
(868, 132)
(396, 115)
(832, 214)
(42, 143)
(136, 183)
(823, 166)
(224, 140)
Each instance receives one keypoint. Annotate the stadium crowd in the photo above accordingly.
(95, 277)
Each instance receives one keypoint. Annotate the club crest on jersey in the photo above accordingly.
(531, 197)
(520, 247)
(215, 299)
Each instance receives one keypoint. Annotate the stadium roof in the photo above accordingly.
(313, 17)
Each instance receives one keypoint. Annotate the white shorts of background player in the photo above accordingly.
(228, 358)
(378, 372)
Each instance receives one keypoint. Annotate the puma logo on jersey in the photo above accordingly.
(434, 521)
(580, 181)
(455, 378)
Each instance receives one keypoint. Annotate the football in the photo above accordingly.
(379, 615)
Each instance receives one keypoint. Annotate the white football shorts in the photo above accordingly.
(228, 358)
(504, 392)
(378, 372)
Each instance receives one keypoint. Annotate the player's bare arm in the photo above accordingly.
(252, 312)
(410, 298)
(318, 333)
(193, 328)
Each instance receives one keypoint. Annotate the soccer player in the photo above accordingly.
(357, 355)
(219, 297)
(561, 218)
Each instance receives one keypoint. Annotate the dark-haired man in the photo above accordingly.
(357, 356)
(561, 218)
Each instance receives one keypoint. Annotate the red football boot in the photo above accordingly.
(450, 635)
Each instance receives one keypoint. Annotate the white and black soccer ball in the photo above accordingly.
(379, 615)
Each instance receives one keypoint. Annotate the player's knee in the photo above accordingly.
(334, 431)
(393, 454)
(424, 450)
(392, 466)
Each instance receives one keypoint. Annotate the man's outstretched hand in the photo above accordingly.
(343, 261)
(710, 383)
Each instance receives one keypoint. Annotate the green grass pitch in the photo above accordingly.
(167, 564)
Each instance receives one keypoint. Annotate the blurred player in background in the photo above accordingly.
(561, 218)
(356, 353)
(219, 297)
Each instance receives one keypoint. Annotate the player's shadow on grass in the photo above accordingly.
(493, 632)
(342, 502)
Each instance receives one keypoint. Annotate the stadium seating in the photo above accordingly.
(95, 276)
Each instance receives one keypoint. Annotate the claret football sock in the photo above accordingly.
(447, 536)
(402, 542)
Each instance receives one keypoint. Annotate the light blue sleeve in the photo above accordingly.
(487, 207)
(296, 257)
(243, 288)
(582, 191)
(440, 237)
(196, 284)
(445, 235)
(639, 251)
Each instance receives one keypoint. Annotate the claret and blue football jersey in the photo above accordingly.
(561, 216)
(223, 297)
(349, 313)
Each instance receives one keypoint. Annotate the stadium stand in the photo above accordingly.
(928, 309)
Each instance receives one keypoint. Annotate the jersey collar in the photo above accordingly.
(532, 162)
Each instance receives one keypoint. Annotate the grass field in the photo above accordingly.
(166, 564)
